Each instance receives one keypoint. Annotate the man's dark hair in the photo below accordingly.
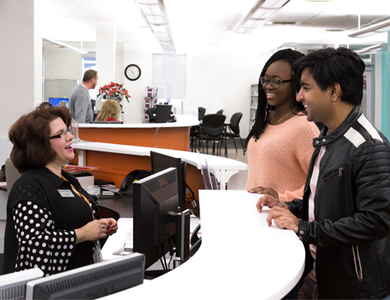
(330, 66)
(89, 74)
(262, 111)
(30, 136)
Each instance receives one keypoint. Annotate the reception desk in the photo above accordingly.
(115, 161)
(240, 256)
(175, 135)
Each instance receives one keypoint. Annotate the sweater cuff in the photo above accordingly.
(283, 197)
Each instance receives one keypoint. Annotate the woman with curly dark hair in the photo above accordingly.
(279, 143)
(52, 222)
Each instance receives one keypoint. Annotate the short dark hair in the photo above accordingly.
(89, 74)
(30, 136)
(330, 66)
(262, 111)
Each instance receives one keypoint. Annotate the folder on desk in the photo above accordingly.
(210, 182)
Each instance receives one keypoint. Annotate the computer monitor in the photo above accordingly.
(13, 285)
(59, 101)
(161, 162)
(155, 202)
(163, 113)
(106, 122)
(92, 281)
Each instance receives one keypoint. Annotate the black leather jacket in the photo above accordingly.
(352, 211)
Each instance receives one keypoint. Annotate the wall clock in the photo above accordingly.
(132, 72)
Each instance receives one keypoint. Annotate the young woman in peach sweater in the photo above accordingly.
(279, 143)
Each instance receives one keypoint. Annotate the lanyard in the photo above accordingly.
(81, 195)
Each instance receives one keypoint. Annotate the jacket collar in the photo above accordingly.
(325, 139)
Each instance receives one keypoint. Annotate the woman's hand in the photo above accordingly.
(265, 190)
(95, 230)
(112, 226)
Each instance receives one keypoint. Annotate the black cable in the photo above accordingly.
(164, 266)
(191, 203)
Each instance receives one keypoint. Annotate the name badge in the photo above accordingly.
(66, 193)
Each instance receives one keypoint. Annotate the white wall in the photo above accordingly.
(216, 78)
(136, 54)
(61, 64)
(21, 64)
(220, 79)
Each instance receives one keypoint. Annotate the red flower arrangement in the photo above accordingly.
(114, 90)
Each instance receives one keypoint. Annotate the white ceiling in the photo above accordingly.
(202, 23)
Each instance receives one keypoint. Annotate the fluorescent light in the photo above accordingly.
(63, 45)
(262, 12)
(156, 17)
(372, 49)
(371, 29)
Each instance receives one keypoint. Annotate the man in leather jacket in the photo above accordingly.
(344, 216)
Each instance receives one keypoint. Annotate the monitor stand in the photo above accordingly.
(182, 220)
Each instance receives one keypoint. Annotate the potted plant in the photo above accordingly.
(113, 91)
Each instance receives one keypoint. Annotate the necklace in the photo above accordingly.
(282, 117)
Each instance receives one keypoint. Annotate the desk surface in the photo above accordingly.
(214, 162)
(182, 121)
(240, 257)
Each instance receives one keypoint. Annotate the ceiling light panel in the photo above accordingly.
(262, 12)
(156, 17)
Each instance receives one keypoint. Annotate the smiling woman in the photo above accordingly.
(280, 141)
(52, 223)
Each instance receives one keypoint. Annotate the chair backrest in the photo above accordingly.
(152, 114)
(163, 113)
(220, 112)
(235, 121)
(201, 113)
(11, 173)
(213, 124)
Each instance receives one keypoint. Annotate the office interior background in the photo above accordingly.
(204, 53)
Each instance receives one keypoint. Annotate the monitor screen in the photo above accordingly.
(161, 162)
(59, 101)
(13, 285)
(154, 198)
(163, 113)
(92, 281)
(106, 122)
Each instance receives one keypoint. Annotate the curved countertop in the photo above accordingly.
(182, 121)
(240, 256)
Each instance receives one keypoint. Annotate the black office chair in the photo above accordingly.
(152, 114)
(195, 241)
(195, 130)
(220, 112)
(201, 113)
(233, 129)
(212, 129)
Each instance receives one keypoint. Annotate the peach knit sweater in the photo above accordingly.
(280, 158)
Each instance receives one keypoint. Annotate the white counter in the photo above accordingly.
(240, 256)
(182, 121)
(223, 168)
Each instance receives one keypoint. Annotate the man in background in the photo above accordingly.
(80, 101)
